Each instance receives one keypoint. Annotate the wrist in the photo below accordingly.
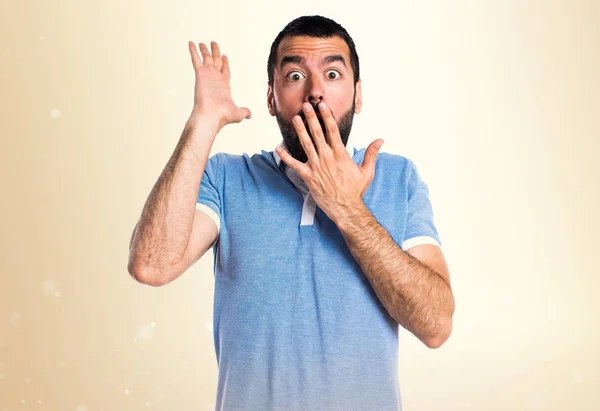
(205, 123)
(352, 216)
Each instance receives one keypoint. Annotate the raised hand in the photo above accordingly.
(336, 183)
(212, 92)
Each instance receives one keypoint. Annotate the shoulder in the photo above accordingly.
(389, 165)
(244, 162)
(386, 158)
(225, 159)
(395, 160)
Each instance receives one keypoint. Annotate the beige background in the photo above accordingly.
(497, 102)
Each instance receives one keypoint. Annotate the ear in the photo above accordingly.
(270, 98)
(358, 97)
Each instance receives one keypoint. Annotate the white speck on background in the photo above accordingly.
(27, 380)
(152, 324)
(148, 403)
(147, 373)
(57, 294)
(507, 299)
(39, 401)
(15, 318)
(135, 340)
(42, 38)
(49, 287)
(146, 332)
(578, 378)
(127, 391)
(55, 113)
(81, 407)
(22, 401)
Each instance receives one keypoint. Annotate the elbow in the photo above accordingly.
(145, 275)
(443, 328)
(438, 339)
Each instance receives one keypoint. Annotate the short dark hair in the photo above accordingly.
(313, 26)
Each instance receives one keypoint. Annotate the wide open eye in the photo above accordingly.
(333, 74)
(294, 76)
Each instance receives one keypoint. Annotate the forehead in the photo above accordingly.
(312, 47)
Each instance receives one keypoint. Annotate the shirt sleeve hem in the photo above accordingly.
(209, 212)
(411, 242)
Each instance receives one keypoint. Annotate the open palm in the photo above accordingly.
(212, 93)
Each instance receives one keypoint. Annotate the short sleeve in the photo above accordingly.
(209, 200)
(420, 227)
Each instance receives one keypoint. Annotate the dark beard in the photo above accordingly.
(292, 141)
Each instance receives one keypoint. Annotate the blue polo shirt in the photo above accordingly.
(297, 325)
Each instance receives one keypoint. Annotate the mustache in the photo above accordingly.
(315, 107)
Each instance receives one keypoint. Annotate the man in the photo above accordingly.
(320, 250)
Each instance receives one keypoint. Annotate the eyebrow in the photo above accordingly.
(300, 60)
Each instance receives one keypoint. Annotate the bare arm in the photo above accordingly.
(414, 286)
(170, 234)
(414, 289)
(162, 233)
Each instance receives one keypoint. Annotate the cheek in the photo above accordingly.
(341, 108)
(286, 104)
(340, 103)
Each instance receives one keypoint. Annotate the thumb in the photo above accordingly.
(368, 163)
(246, 113)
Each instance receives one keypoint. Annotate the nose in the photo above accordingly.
(315, 93)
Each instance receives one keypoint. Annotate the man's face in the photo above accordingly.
(312, 70)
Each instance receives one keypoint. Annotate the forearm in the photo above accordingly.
(163, 230)
(414, 295)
